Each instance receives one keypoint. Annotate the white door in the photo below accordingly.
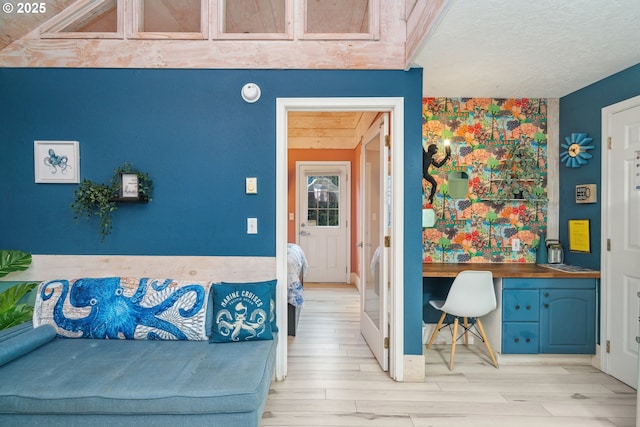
(323, 219)
(621, 225)
(376, 223)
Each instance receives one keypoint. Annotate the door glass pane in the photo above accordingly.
(372, 244)
(323, 200)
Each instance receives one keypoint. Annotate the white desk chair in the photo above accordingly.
(471, 295)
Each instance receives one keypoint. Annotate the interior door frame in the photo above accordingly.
(605, 258)
(395, 107)
(324, 166)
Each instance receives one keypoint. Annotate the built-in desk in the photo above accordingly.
(502, 270)
(540, 309)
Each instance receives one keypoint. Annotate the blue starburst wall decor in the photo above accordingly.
(575, 148)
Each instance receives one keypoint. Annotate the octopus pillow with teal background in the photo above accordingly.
(272, 304)
(124, 308)
(241, 312)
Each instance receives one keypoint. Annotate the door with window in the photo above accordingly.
(323, 219)
(374, 271)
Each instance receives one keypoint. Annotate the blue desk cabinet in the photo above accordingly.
(548, 316)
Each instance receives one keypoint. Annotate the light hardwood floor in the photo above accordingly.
(335, 381)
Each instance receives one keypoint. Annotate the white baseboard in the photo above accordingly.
(354, 279)
(414, 368)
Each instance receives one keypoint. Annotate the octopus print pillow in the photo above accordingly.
(124, 308)
(272, 304)
(241, 313)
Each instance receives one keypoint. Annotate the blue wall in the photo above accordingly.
(191, 131)
(580, 111)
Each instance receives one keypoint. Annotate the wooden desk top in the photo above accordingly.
(501, 270)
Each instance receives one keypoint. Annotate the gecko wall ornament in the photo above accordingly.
(575, 148)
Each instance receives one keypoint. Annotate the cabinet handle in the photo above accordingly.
(516, 339)
(528, 340)
(546, 294)
(546, 306)
(528, 307)
(517, 307)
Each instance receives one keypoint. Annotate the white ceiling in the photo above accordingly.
(528, 48)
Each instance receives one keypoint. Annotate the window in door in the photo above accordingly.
(323, 200)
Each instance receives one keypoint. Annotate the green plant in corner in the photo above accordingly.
(12, 312)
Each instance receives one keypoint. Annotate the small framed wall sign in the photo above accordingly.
(56, 161)
(129, 185)
(579, 239)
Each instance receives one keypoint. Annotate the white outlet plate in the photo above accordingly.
(252, 225)
(515, 245)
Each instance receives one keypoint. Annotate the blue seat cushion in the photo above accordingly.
(88, 376)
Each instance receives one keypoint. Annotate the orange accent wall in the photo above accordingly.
(352, 156)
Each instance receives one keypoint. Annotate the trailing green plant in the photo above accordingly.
(12, 312)
(97, 199)
(94, 199)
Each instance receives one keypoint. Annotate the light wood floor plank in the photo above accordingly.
(334, 380)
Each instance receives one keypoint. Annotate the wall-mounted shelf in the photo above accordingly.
(497, 199)
(141, 199)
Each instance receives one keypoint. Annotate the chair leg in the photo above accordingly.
(435, 331)
(453, 343)
(486, 342)
(466, 331)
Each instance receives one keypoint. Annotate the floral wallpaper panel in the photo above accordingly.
(483, 132)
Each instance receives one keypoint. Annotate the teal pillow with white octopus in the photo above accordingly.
(241, 312)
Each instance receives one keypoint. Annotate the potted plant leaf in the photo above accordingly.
(12, 312)
(521, 172)
(100, 200)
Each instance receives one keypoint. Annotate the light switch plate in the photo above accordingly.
(252, 185)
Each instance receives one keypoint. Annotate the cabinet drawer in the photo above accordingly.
(520, 338)
(520, 305)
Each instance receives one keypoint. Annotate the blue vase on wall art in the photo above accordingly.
(541, 253)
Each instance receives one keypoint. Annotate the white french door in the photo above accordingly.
(621, 227)
(374, 273)
(323, 219)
